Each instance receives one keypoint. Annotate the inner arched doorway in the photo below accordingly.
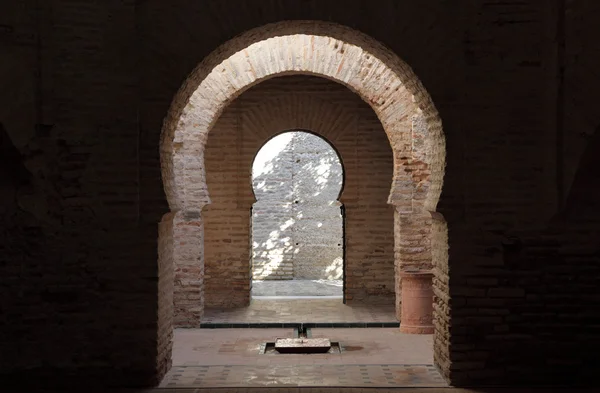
(352, 129)
(297, 223)
(378, 76)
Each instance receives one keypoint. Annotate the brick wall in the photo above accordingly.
(350, 125)
(78, 297)
(78, 249)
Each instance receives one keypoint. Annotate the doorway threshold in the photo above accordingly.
(295, 297)
(294, 325)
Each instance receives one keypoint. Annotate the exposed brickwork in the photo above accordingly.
(442, 302)
(78, 250)
(78, 296)
(337, 114)
(304, 47)
(188, 260)
(166, 269)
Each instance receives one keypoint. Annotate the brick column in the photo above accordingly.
(227, 260)
(165, 296)
(188, 261)
(441, 295)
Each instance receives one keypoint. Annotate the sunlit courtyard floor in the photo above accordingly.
(293, 288)
(378, 357)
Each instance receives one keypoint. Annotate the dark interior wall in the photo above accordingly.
(73, 279)
(78, 246)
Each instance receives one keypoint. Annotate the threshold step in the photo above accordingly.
(266, 325)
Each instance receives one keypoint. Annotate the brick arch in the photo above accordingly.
(355, 60)
(334, 113)
(324, 49)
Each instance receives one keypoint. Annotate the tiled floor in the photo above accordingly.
(201, 347)
(301, 310)
(394, 389)
(297, 288)
(381, 357)
(384, 375)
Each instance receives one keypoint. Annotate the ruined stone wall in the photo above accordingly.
(327, 109)
(297, 225)
(79, 276)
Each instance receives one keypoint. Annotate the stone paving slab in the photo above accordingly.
(229, 358)
(203, 347)
(384, 375)
(299, 310)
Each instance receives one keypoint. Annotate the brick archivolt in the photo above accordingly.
(328, 50)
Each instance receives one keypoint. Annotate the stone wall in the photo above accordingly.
(327, 109)
(86, 86)
(297, 225)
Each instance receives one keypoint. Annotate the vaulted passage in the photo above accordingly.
(349, 125)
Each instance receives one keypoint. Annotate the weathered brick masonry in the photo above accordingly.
(349, 57)
(337, 114)
(86, 87)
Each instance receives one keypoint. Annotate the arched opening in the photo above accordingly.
(297, 223)
(338, 115)
(348, 57)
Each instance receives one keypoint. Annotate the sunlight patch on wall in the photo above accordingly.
(296, 222)
(264, 162)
